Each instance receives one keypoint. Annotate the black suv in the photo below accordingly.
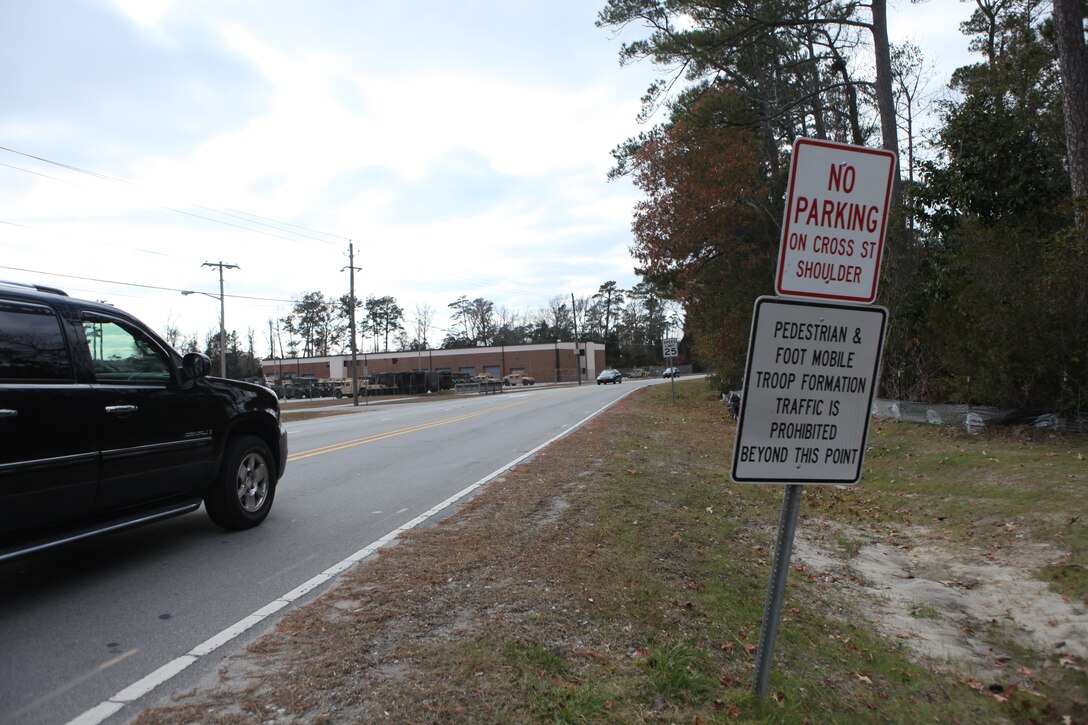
(104, 426)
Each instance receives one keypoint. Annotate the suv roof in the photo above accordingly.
(36, 287)
(58, 298)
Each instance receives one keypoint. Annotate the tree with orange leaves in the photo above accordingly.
(706, 232)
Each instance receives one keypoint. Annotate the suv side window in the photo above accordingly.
(32, 347)
(123, 354)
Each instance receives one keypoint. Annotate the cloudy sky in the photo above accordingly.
(461, 147)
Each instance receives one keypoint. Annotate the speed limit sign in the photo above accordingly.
(669, 347)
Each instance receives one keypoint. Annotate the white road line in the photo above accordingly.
(145, 685)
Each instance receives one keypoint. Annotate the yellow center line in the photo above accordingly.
(333, 447)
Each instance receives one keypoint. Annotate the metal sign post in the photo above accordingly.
(669, 350)
(776, 590)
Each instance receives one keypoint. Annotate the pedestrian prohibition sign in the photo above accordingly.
(808, 392)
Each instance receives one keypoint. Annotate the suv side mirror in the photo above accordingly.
(195, 365)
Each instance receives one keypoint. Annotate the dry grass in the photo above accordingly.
(618, 577)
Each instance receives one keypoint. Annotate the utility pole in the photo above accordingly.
(351, 317)
(577, 353)
(222, 316)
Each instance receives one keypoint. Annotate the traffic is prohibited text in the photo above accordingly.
(808, 392)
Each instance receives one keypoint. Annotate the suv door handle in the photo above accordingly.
(121, 409)
(6, 413)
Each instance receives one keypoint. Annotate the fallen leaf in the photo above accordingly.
(590, 654)
(863, 678)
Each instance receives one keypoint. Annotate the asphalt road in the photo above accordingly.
(96, 631)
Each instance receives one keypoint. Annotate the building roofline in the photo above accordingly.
(442, 352)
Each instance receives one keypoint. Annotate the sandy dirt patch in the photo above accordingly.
(956, 608)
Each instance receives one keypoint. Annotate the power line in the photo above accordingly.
(306, 232)
(471, 278)
(220, 221)
(96, 241)
(286, 224)
(38, 173)
(95, 174)
(135, 284)
(254, 217)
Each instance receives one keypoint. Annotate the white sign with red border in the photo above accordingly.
(834, 223)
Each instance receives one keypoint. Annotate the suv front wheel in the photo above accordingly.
(242, 493)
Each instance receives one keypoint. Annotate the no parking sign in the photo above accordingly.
(834, 222)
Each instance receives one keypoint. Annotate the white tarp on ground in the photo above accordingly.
(972, 417)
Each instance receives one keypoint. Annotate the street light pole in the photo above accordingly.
(222, 335)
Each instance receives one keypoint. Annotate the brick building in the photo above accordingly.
(554, 362)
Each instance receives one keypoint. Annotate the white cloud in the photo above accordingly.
(145, 12)
(462, 147)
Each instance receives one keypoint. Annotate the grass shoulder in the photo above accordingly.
(619, 576)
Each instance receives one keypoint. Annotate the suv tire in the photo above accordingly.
(242, 493)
